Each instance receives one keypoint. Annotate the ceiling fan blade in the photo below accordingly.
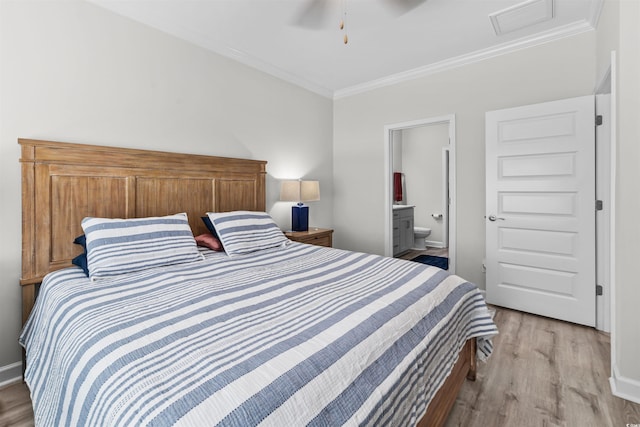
(404, 6)
(313, 15)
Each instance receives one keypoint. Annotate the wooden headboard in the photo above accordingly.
(63, 183)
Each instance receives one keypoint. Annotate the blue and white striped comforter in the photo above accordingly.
(294, 336)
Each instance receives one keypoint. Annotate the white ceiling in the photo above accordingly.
(389, 40)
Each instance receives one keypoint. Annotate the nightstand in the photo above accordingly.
(314, 236)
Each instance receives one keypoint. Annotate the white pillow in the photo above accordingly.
(119, 246)
(243, 232)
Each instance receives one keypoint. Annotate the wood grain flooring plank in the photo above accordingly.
(15, 406)
(543, 372)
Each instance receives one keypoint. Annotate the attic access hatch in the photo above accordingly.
(522, 15)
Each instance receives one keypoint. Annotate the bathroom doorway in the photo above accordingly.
(420, 179)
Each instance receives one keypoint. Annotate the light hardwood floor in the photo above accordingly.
(543, 372)
(442, 252)
(15, 406)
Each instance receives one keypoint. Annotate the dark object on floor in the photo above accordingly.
(437, 261)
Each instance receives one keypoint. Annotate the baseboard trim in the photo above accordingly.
(434, 244)
(10, 374)
(625, 388)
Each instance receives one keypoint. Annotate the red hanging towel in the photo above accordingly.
(397, 186)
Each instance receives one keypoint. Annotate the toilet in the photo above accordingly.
(419, 237)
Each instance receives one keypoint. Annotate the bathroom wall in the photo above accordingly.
(397, 151)
(423, 169)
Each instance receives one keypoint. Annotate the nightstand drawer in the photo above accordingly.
(315, 236)
(318, 241)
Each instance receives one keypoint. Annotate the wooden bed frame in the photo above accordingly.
(63, 183)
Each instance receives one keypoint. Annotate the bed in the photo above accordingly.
(282, 333)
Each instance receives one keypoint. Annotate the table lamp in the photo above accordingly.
(299, 191)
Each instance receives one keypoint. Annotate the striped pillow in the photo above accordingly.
(243, 232)
(119, 246)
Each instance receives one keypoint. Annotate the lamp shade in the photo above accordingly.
(299, 191)
(309, 191)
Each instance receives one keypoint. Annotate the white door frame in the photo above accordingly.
(606, 191)
(608, 85)
(603, 217)
(445, 196)
(449, 119)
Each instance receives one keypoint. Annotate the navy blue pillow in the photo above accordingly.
(82, 241)
(209, 224)
(81, 260)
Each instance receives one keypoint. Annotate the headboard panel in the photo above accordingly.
(63, 183)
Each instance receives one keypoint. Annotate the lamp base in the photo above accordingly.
(299, 218)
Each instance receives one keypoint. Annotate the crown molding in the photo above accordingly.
(297, 80)
(190, 36)
(477, 56)
(596, 11)
(254, 62)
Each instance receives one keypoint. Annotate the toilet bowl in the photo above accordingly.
(419, 237)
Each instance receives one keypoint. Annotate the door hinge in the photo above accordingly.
(599, 290)
(599, 205)
(598, 120)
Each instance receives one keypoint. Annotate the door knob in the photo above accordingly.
(494, 218)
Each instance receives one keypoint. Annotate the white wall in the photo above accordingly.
(619, 30)
(561, 69)
(628, 200)
(607, 35)
(74, 72)
(422, 166)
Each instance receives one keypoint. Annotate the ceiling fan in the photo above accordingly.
(315, 13)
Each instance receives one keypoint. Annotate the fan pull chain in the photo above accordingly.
(343, 21)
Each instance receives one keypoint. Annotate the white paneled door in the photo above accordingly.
(540, 209)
